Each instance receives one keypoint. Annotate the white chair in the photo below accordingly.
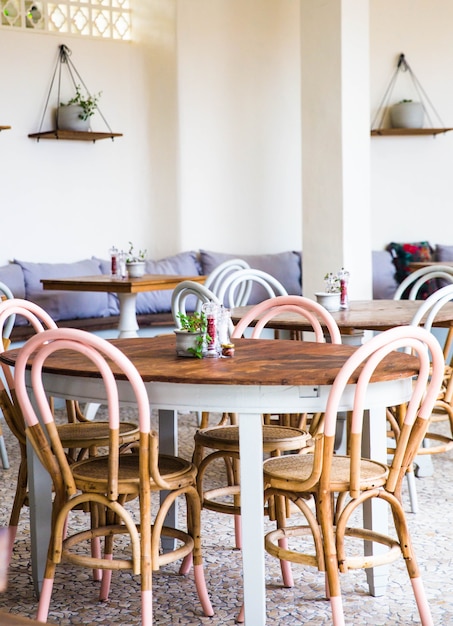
(416, 280)
(215, 279)
(8, 294)
(185, 290)
(232, 293)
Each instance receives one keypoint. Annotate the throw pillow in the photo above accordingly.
(405, 253)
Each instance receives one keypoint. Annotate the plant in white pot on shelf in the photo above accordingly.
(407, 114)
(76, 113)
(135, 263)
(192, 337)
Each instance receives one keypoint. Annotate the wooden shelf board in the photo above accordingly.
(408, 131)
(5, 127)
(74, 135)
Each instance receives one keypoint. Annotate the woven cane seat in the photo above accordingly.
(290, 472)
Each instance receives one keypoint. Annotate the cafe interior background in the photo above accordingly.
(245, 128)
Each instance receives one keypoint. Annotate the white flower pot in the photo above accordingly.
(135, 269)
(68, 118)
(407, 115)
(186, 342)
(330, 301)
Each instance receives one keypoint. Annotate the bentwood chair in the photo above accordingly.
(434, 442)
(223, 441)
(433, 276)
(236, 288)
(106, 482)
(342, 484)
(216, 278)
(200, 294)
(5, 293)
(79, 438)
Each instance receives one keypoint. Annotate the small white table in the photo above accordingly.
(263, 377)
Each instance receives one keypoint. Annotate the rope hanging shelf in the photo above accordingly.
(5, 127)
(64, 60)
(377, 126)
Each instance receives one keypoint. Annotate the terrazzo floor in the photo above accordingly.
(74, 600)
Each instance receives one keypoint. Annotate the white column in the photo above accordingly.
(335, 143)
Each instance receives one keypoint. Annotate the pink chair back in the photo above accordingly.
(314, 313)
(419, 407)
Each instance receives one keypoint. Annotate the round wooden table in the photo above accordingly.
(263, 377)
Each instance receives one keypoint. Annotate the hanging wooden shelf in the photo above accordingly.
(403, 66)
(74, 135)
(64, 60)
(408, 131)
(5, 127)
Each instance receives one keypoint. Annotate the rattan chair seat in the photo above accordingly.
(91, 473)
(87, 434)
(290, 471)
(274, 438)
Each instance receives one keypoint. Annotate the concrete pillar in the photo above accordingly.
(335, 143)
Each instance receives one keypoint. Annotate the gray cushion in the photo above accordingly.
(384, 281)
(444, 253)
(64, 305)
(13, 276)
(284, 266)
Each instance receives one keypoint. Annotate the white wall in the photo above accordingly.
(207, 98)
(411, 189)
(239, 116)
(65, 200)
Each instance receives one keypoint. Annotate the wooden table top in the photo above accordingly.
(417, 265)
(361, 315)
(256, 362)
(103, 282)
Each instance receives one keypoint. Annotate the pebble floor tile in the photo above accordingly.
(74, 601)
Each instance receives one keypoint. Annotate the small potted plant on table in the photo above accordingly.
(330, 298)
(135, 263)
(192, 337)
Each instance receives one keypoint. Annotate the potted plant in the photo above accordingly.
(75, 114)
(330, 298)
(192, 337)
(135, 263)
(407, 114)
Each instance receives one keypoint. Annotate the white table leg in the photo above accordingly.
(168, 444)
(127, 326)
(40, 500)
(252, 519)
(375, 513)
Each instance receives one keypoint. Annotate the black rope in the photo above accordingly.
(404, 66)
(65, 60)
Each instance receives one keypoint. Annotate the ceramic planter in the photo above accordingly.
(187, 342)
(330, 301)
(135, 269)
(407, 115)
(68, 118)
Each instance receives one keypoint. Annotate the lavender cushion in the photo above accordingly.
(284, 266)
(444, 253)
(64, 305)
(384, 281)
(13, 276)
